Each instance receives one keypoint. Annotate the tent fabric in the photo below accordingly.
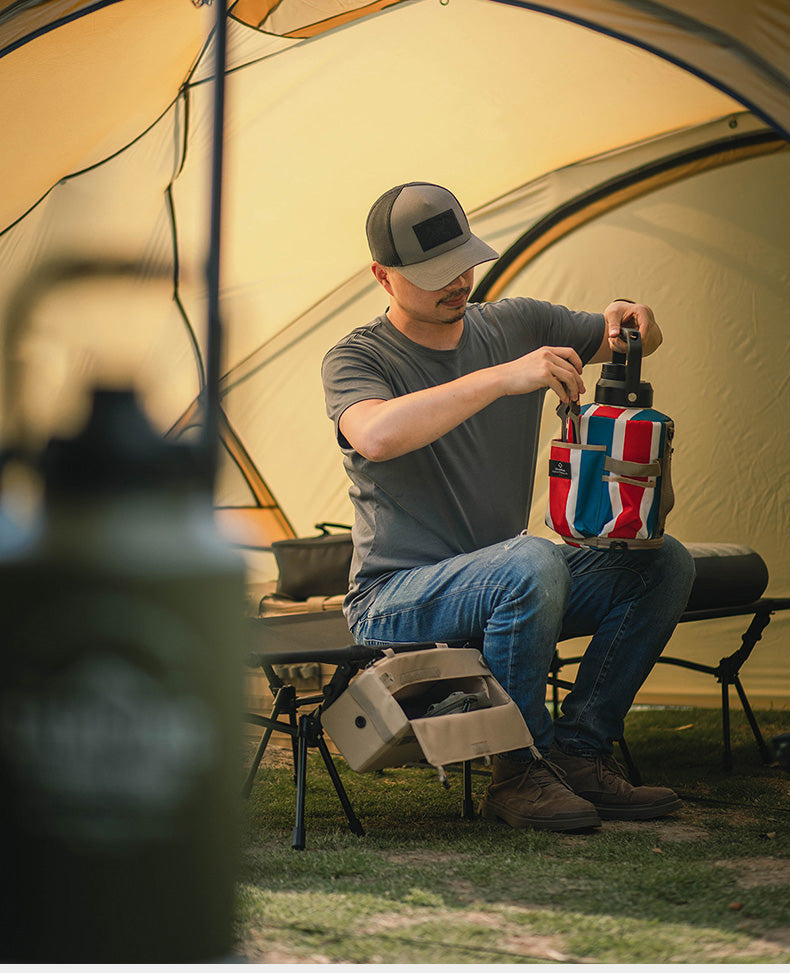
(605, 147)
(738, 47)
(302, 19)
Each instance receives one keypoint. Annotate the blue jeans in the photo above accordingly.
(524, 595)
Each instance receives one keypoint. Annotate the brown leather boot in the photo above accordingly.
(603, 782)
(534, 795)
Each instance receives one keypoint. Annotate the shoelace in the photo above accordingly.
(543, 764)
(609, 766)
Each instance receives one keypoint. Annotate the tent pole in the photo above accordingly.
(214, 336)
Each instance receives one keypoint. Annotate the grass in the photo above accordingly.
(710, 884)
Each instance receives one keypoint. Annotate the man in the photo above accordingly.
(436, 406)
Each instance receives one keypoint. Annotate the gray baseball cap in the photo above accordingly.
(421, 229)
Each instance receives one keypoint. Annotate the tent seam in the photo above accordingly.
(70, 18)
(199, 363)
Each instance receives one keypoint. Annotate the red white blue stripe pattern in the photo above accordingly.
(587, 500)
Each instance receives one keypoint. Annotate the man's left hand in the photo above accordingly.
(626, 314)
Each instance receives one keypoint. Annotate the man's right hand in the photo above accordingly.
(556, 368)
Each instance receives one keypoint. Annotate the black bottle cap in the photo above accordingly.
(620, 383)
(118, 449)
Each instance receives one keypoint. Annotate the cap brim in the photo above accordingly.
(438, 272)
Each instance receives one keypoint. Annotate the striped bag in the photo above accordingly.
(609, 476)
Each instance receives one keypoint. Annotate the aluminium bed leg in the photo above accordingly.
(725, 724)
(310, 734)
(353, 821)
(294, 735)
(728, 673)
(765, 753)
(301, 784)
(281, 702)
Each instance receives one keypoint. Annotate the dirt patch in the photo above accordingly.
(758, 872)
(422, 857)
(259, 951)
(534, 947)
(665, 830)
(777, 937)
(516, 944)
(764, 948)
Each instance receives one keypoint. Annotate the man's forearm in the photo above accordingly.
(382, 429)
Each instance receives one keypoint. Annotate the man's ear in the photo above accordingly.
(382, 276)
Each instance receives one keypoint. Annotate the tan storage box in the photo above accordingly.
(380, 720)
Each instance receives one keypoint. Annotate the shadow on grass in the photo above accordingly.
(708, 884)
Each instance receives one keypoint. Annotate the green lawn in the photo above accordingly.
(709, 884)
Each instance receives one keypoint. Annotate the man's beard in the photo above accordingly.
(457, 316)
(456, 313)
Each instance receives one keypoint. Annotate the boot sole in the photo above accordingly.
(579, 822)
(636, 813)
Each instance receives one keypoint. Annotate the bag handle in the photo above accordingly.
(325, 524)
(632, 361)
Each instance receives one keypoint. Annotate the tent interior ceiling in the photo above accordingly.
(488, 121)
(88, 87)
(525, 115)
(738, 47)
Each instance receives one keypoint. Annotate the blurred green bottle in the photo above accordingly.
(121, 646)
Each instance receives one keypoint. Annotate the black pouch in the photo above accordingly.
(310, 566)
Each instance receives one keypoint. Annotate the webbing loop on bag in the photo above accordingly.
(623, 467)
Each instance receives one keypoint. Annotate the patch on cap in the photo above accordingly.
(437, 230)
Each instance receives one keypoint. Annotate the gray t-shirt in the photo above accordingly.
(473, 486)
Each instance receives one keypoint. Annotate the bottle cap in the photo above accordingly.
(117, 449)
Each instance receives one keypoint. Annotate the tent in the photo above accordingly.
(605, 147)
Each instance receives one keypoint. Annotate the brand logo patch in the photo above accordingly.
(560, 469)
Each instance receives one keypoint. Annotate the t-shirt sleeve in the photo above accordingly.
(587, 330)
(558, 326)
(351, 374)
